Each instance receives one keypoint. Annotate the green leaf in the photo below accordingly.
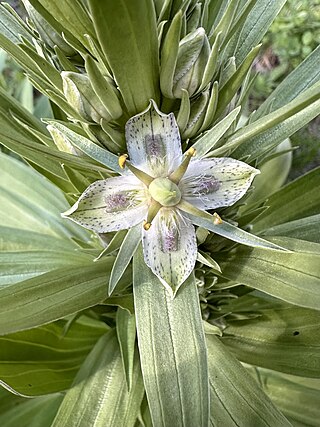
(11, 26)
(99, 396)
(127, 33)
(208, 141)
(256, 25)
(28, 412)
(298, 398)
(298, 199)
(234, 233)
(300, 79)
(53, 295)
(236, 400)
(127, 249)
(290, 276)
(30, 202)
(92, 150)
(172, 350)
(303, 229)
(44, 360)
(258, 138)
(126, 333)
(285, 339)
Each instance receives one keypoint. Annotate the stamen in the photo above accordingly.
(178, 173)
(217, 219)
(142, 176)
(152, 212)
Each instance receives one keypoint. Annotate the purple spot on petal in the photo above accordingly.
(117, 202)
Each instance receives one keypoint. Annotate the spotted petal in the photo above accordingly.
(110, 205)
(170, 248)
(218, 182)
(153, 142)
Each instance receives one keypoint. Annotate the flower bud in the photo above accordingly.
(193, 54)
(81, 96)
(62, 142)
(47, 33)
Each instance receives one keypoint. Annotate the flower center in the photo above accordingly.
(164, 191)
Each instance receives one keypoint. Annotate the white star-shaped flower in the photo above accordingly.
(160, 189)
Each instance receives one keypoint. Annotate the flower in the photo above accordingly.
(160, 188)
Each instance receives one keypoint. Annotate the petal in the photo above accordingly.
(153, 142)
(110, 205)
(170, 248)
(214, 183)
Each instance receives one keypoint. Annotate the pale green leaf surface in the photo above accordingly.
(44, 360)
(234, 233)
(298, 398)
(285, 339)
(296, 200)
(30, 202)
(127, 249)
(256, 25)
(172, 350)
(290, 276)
(92, 150)
(236, 400)
(99, 396)
(126, 333)
(300, 79)
(127, 33)
(11, 26)
(210, 138)
(29, 412)
(53, 295)
(307, 228)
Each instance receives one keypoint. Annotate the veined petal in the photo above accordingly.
(218, 182)
(110, 205)
(170, 248)
(153, 142)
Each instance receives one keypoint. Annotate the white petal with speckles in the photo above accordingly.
(110, 205)
(153, 142)
(214, 183)
(170, 248)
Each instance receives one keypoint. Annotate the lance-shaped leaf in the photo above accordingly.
(290, 276)
(172, 350)
(285, 339)
(236, 400)
(307, 228)
(45, 360)
(127, 33)
(99, 395)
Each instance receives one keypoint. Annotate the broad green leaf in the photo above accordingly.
(53, 295)
(290, 276)
(300, 79)
(307, 228)
(236, 234)
(99, 395)
(208, 141)
(236, 400)
(172, 350)
(28, 412)
(298, 398)
(126, 333)
(256, 25)
(298, 199)
(92, 150)
(44, 360)
(127, 249)
(11, 25)
(18, 265)
(258, 138)
(285, 339)
(30, 202)
(127, 33)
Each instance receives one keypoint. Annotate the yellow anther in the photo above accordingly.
(122, 160)
(191, 152)
(217, 219)
(146, 225)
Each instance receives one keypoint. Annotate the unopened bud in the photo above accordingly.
(81, 96)
(193, 54)
(62, 142)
